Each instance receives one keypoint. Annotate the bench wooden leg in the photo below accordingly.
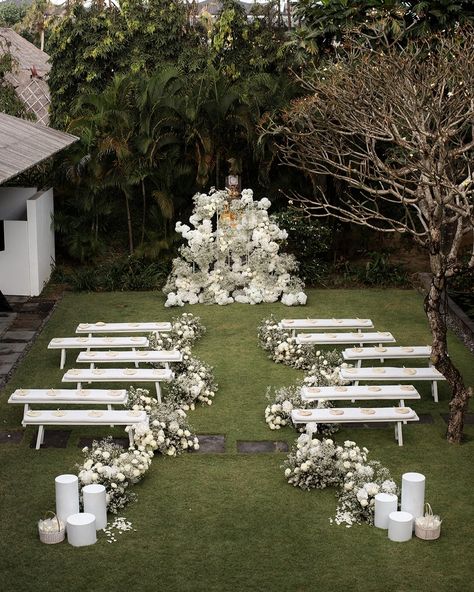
(434, 390)
(40, 437)
(399, 433)
(359, 363)
(130, 437)
(158, 391)
(63, 359)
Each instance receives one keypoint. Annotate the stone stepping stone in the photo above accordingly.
(53, 439)
(87, 441)
(11, 436)
(468, 418)
(210, 444)
(13, 336)
(261, 446)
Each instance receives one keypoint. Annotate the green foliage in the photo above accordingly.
(12, 13)
(9, 100)
(378, 271)
(310, 241)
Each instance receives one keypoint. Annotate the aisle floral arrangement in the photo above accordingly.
(234, 259)
(167, 431)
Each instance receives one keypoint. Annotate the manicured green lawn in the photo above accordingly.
(230, 521)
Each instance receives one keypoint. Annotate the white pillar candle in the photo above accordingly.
(67, 496)
(413, 494)
(385, 504)
(81, 530)
(95, 503)
(400, 526)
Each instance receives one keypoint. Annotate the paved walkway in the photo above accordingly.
(18, 330)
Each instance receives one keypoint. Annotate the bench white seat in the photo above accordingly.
(69, 397)
(124, 375)
(82, 417)
(311, 417)
(100, 327)
(360, 393)
(137, 356)
(383, 374)
(390, 353)
(87, 343)
(338, 338)
(323, 324)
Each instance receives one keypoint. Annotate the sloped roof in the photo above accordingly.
(25, 54)
(24, 144)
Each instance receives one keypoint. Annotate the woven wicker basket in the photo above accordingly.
(428, 532)
(50, 538)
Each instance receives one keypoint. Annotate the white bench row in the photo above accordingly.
(360, 393)
(357, 354)
(379, 337)
(88, 343)
(101, 327)
(398, 415)
(107, 397)
(155, 375)
(82, 418)
(164, 357)
(294, 325)
(383, 374)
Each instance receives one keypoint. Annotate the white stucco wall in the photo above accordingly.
(25, 264)
(13, 202)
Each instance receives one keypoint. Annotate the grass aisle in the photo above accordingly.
(230, 522)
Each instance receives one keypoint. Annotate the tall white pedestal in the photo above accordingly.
(385, 504)
(67, 496)
(413, 494)
(95, 503)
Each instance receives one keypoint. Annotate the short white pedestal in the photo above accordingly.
(385, 504)
(400, 526)
(95, 503)
(67, 496)
(81, 530)
(413, 494)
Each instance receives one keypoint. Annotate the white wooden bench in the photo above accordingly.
(82, 418)
(358, 354)
(107, 397)
(124, 375)
(164, 357)
(384, 374)
(360, 393)
(379, 337)
(88, 343)
(294, 325)
(397, 415)
(101, 327)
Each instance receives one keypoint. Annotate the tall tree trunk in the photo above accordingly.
(129, 225)
(144, 212)
(442, 362)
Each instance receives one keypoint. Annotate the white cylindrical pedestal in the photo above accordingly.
(67, 496)
(81, 530)
(385, 504)
(95, 503)
(413, 494)
(400, 526)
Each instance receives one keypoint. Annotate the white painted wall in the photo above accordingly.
(25, 264)
(13, 202)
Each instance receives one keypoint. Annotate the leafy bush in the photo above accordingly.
(310, 241)
(377, 271)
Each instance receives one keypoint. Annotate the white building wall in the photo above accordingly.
(25, 264)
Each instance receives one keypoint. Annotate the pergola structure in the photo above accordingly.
(24, 144)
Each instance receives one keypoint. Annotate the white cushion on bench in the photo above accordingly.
(100, 327)
(145, 356)
(84, 417)
(359, 393)
(301, 324)
(329, 338)
(389, 373)
(352, 414)
(69, 396)
(393, 352)
(96, 342)
(119, 375)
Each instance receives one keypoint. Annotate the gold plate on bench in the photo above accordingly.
(380, 349)
(354, 334)
(357, 349)
(289, 322)
(33, 413)
(336, 412)
(314, 389)
(59, 413)
(136, 338)
(374, 389)
(331, 335)
(82, 339)
(409, 371)
(83, 393)
(338, 321)
(73, 372)
(135, 413)
(402, 410)
(22, 392)
(83, 325)
(407, 387)
(305, 413)
(51, 393)
(133, 324)
(387, 333)
(129, 371)
(111, 354)
(407, 349)
(158, 372)
(108, 339)
(95, 413)
(367, 411)
(142, 354)
(100, 323)
(341, 389)
(378, 370)
(57, 340)
(114, 393)
(97, 371)
(91, 354)
(351, 370)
